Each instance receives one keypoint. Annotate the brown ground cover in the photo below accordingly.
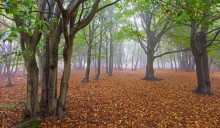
(124, 100)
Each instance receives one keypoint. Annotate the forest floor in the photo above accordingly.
(124, 100)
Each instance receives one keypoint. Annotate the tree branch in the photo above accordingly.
(213, 39)
(107, 5)
(87, 20)
(7, 17)
(170, 53)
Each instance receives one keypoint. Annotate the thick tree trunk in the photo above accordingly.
(201, 88)
(44, 75)
(32, 107)
(205, 60)
(149, 68)
(206, 73)
(201, 60)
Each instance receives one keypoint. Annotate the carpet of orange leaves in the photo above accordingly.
(124, 100)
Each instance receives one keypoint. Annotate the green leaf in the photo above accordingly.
(13, 1)
(15, 11)
(179, 13)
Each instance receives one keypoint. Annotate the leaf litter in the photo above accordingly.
(124, 100)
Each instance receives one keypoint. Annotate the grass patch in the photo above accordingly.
(11, 105)
(32, 124)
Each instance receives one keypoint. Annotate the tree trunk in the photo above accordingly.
(61, 104)
(200, 75)
(89, 51)
(205, 60)
(149, 68)
(171, 62)
(100, 50)
(44, 75)
(175, 64)
(53, 67)
(111, 45)
(32, 107)
(99, 62)
(86, 77)
(200, 58)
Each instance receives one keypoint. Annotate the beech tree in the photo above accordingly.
(89, 42)
(154, 28)
(66, 20)
(199, 16)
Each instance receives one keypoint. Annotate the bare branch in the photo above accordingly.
(213, 39)
(170, 53)
(107, 5)
(7, 17)
(86, 20)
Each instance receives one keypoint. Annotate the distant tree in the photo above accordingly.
(155, 25)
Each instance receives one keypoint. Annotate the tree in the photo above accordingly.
(154, 28)
(29, 40)
(70, 16)
(110, 68)
(99, 49)
(89, 42)
(30, 29)
(199, 16)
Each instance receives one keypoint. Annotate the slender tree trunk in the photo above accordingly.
(67, 53)
(175, 64)
(171, 62)
(99, 62)
(111, 45)
(54, 40)
(106, 59)
(100, 50)
(86, 77)
(89, 51)
(132, 59)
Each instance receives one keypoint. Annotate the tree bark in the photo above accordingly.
(32, 107)
(110, 70)
(106, 59)
(44, 80)
(149, 68)
(86, 77)
(67, 55)
(53, 67)
(99, 52)
(89, 50)
(201, 59)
